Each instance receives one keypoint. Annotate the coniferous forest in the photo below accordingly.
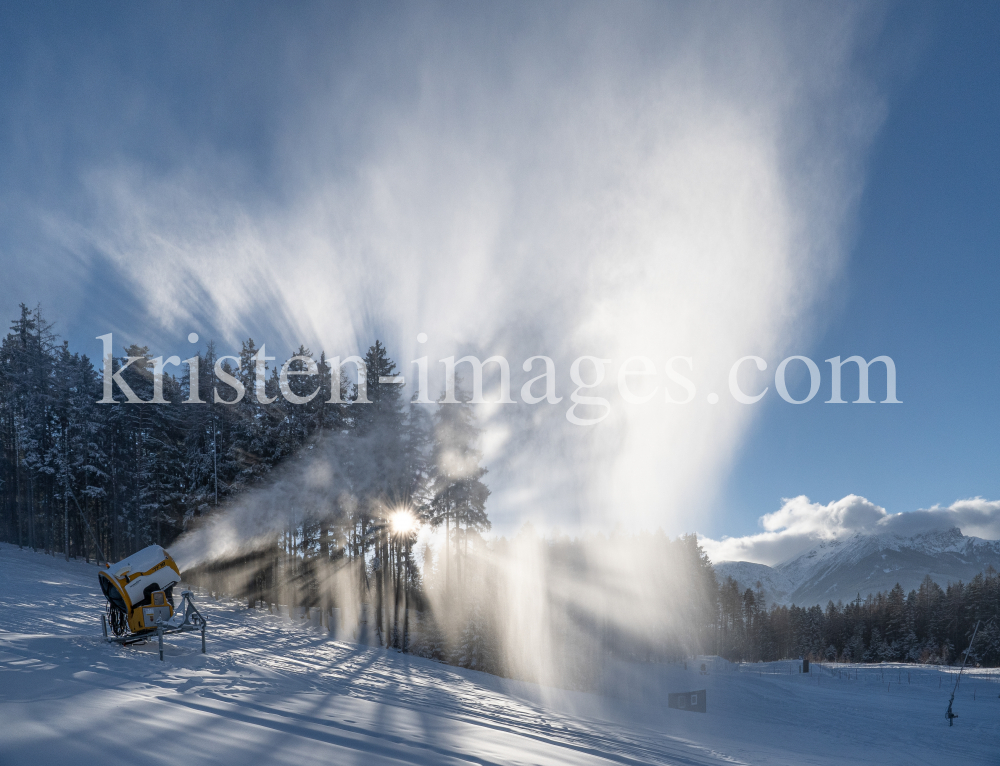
(101, 481)
(928, 625)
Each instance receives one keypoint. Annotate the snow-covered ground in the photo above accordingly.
(273, 691)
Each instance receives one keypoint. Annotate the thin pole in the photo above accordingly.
(84, 517)
(65, 522)
(215, 457)
(950, 715)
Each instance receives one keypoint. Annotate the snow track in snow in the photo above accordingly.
(270, 691)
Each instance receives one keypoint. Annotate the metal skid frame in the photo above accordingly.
(192, 621)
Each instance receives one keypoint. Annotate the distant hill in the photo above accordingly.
(840, 569)
(777, 587)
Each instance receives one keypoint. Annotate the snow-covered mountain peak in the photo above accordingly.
(867, 563)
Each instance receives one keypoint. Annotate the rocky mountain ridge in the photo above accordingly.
(867, 563)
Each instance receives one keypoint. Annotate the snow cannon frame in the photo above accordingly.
(139, 590)
(192, 620)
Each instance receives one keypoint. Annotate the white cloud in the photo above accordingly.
(800, 524)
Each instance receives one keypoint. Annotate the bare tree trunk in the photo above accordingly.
(406, 598)
(395, 600)
(323, 573)
(17, 488)
(31, 513)
(66, 524)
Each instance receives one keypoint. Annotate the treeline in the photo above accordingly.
(87, 479)
(529, 607)
(927, 625)
(76, 475)
(84, 479)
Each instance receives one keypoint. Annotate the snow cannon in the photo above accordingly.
(140, 591)
(140, 594)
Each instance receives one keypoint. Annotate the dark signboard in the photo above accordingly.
(693, 701)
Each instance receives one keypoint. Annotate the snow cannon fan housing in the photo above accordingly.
(139, 590)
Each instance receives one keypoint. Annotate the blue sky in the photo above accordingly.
(921, 284)
(138, 144)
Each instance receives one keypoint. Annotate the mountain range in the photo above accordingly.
(866, 563)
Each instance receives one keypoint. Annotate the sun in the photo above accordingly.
(403, 521)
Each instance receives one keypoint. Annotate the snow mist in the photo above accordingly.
(658, 180)
(655, 180)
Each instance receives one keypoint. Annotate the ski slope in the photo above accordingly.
(271, 691)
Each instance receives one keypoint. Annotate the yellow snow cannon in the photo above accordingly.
(140, 594)
(139, 590)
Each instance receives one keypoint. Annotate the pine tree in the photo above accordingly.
(458, 493)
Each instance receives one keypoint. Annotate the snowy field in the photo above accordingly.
(270, 691)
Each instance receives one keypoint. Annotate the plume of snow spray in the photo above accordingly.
(661, 180)
(646, 180)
